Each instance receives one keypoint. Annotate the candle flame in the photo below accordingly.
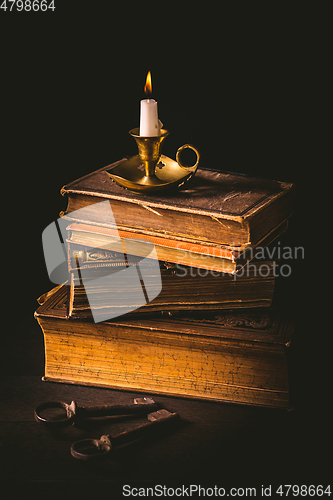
(148, 88)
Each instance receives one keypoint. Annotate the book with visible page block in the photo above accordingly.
(203, 256)
(237, 356)
(216, 208)
(183, 287)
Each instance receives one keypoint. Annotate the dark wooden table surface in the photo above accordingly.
(220, 444)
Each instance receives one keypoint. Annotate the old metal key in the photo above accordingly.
(141, 406)
(92, 449)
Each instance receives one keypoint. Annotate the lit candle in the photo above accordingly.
(150, 125)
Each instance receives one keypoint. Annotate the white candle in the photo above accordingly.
(149, 122)
(150, 125)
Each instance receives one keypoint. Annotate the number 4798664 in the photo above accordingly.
(27, 5)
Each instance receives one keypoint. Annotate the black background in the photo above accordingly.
(245, 85)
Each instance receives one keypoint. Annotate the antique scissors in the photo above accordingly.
(92, 449)
(141, 406)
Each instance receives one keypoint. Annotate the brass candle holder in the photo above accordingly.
(149, 171)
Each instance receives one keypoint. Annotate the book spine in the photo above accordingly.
(182, 225)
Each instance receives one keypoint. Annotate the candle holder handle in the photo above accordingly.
(188, 146)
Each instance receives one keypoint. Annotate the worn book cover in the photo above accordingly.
(236, 356)
(214, 207)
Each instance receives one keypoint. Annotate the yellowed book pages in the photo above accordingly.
(238, 357)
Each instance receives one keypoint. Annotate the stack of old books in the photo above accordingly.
(165, 293)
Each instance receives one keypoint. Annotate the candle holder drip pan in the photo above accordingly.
(149, 171)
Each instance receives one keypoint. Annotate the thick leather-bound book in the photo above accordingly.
(183, 287)
(214, 207)
(229, 356)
